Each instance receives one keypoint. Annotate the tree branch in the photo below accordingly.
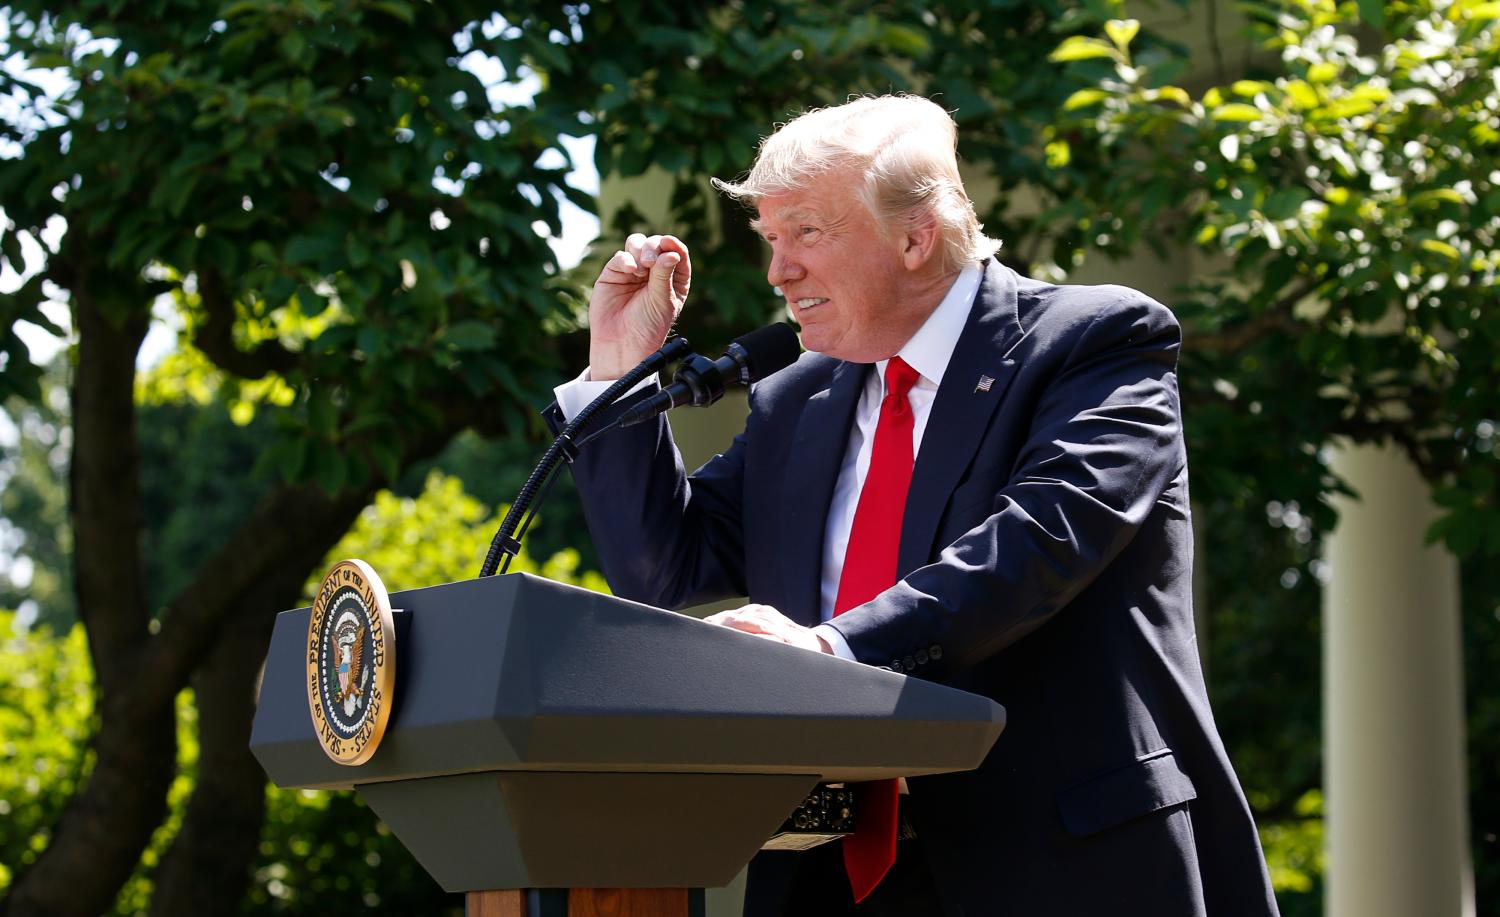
(215, 337)
(1228, 341)
(294, 526)
(1275, 320)
(209, 861)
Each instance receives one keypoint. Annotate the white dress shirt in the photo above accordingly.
(928, 352)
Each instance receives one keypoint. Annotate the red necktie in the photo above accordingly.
(870, 569)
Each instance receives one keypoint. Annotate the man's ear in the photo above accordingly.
(921, 242)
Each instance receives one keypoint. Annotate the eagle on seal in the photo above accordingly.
(350, 654)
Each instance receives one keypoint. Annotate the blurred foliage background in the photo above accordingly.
(338, 213)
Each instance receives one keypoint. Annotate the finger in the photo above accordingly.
(746, 626)
(641, 252)
(673, 244)
(664, 264)
(664, 280)
(624, 263)
(735, 620)
(767, 635)
(644, 248)
(651, 251)
(683, 277)
(726, 618)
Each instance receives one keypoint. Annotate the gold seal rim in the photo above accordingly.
(384, 678)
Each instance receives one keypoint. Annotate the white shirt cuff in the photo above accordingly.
(577, 394)
(836, 642)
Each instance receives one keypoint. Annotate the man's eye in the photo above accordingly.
(806, 230)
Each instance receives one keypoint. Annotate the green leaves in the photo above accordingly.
(469, 335)
(1345, 191)
(1372, 12)
(44, 727)
(327, 191)
(305, 249)
(401, 11)
(1081, 48)
(1078, 48)
(1237, 112)
(1440, 248)
(1084, 98)
(1122, 32)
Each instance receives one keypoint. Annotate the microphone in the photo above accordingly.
(701, 381)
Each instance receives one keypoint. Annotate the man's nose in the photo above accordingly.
(783, 269)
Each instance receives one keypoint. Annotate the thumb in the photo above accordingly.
(661, 275)
(665, 264)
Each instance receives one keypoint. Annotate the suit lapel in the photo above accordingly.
(817, 453)
(973, 385)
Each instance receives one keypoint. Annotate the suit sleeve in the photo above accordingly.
(1104, 443)
(663, 539)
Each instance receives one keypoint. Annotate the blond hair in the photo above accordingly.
(906, 149)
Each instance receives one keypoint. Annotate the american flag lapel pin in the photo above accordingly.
(984, 384)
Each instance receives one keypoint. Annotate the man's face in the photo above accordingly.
(843, 278)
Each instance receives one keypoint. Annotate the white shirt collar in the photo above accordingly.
(929, 350)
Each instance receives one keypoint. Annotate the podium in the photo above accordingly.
(545, 738)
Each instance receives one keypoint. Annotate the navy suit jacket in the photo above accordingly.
(1046, 562)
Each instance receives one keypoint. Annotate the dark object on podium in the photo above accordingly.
(827, 814)
(548, 737)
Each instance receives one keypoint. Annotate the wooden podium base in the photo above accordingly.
(586, 902)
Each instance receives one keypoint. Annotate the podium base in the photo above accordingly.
(585, 902)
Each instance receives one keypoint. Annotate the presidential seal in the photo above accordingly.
(351, 662)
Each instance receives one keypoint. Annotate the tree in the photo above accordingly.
(1351, 200)
(344, 219)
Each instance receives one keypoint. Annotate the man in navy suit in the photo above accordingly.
(1040, 547)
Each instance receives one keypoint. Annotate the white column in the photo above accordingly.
(1397, 825)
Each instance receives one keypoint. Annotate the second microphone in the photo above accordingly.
(700, 381)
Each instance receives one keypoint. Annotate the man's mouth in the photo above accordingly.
(809, 302)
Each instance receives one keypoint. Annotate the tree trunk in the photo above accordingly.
(206, 868)
(105, 827)
(99, 838)
(208, 865)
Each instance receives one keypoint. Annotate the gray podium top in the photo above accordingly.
(545, 736)
(520, 673)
